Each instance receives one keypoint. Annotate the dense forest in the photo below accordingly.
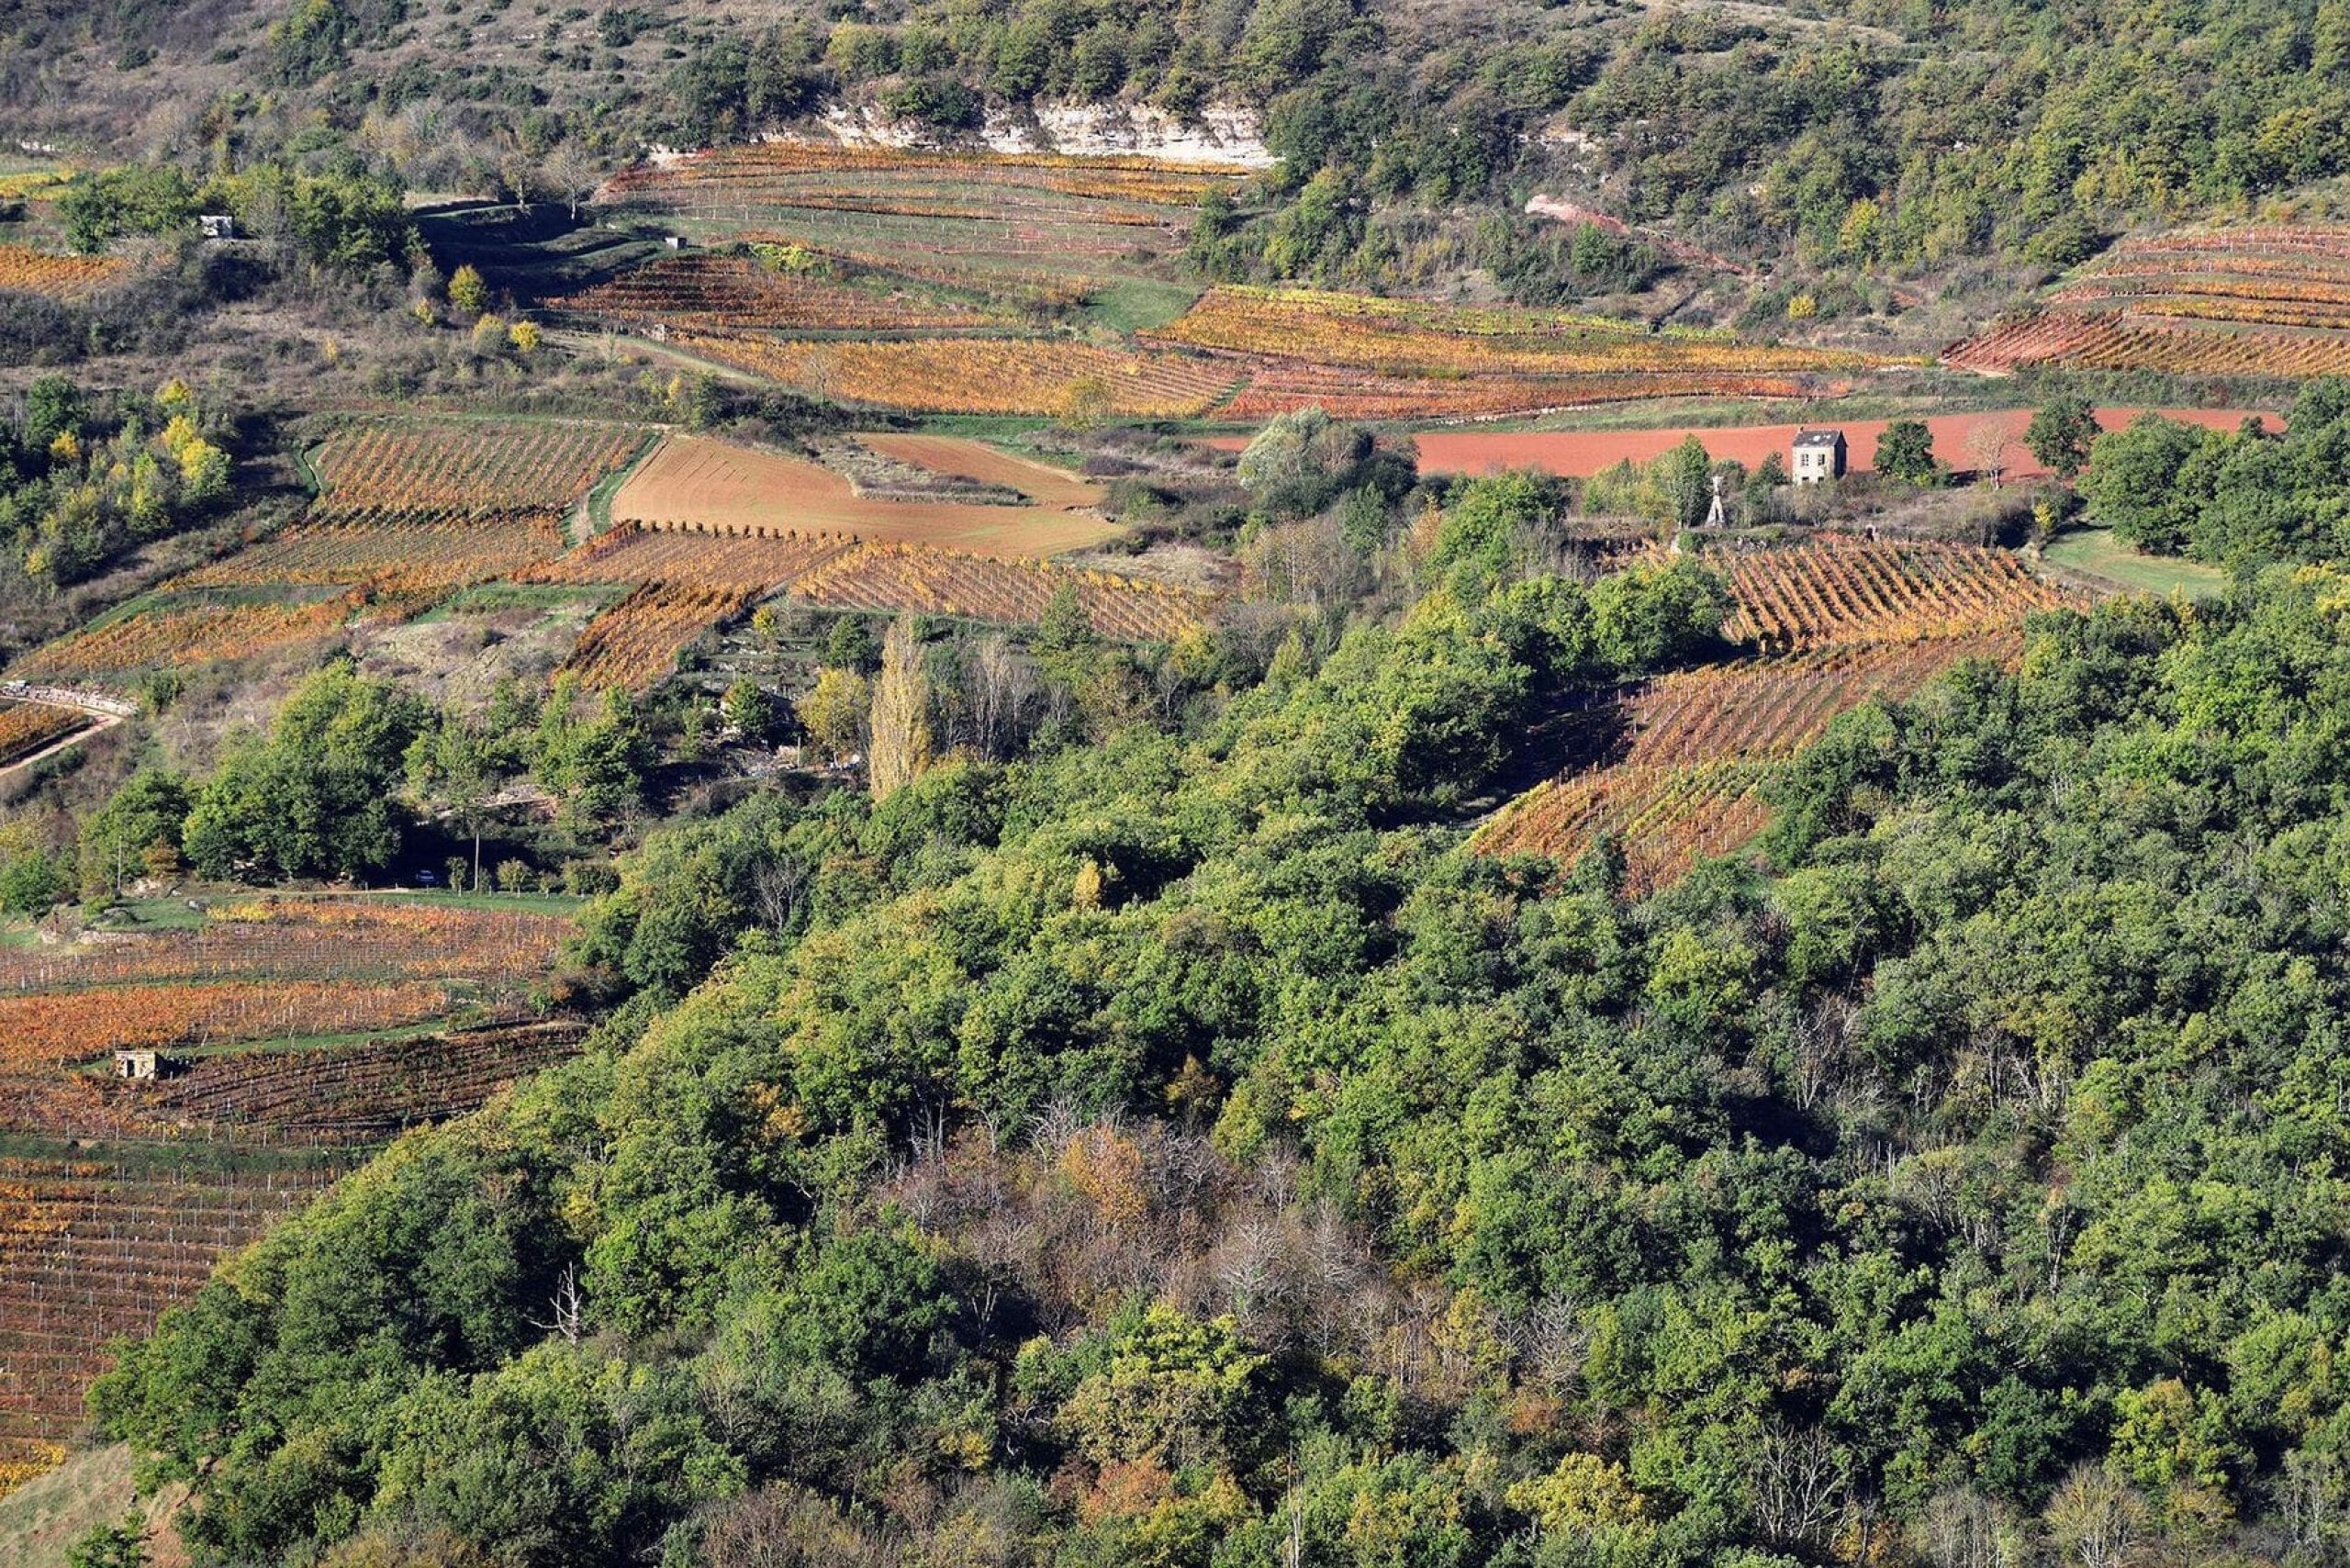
(1174, 1148)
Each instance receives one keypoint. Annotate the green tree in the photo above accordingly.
(1491, 525)
(850, 645)
(150, 809)
(1905, 453)
(2133, 482)
(592, 753)
(1168, 1388)
(2060, 434)
(748, 711)
(31, 882)
(457, 763)
(315, 796)
(1652, 618)
(120, 1545)
(1684, 481)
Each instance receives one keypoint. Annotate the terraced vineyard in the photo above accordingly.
(636, 641)
(687, 582)
(1667, 819)
(874, 236)
(1417, 338)
(688, 557)
(1839, 590)
(410, 510)
(353, 939)
(1349, 394)
(684, 582)
(981, 376)
(1036, 227)
(414, 555)
(91, 1249)
(2253, 300)
(355, 1092)
(466, 467)
(944, 582)
(1360, 356)
(150, 1182)
(59, 1028)
(1682, 762)
(170, 631)
(707, 292)
(415, 510)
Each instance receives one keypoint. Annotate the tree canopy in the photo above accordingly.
(1178, 1149)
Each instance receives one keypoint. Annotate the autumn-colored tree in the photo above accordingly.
(467, 293)
(902, 746)
(833, 712)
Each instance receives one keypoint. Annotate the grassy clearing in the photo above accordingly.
(2096, 551)
(152, 914)
(600, 499)
(159, 601)
(483, 598)
(174, 913)
(527, 903)
(41, 1518)
(1138, 305)
(1008, 427)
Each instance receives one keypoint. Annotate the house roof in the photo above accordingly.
(1818, 438)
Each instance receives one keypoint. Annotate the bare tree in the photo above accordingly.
(572, 177)
(776, 884)
(1818, 1057)
(2095, 1518)
(567, 1311)
(999, 686)
(518, 177)
(1797, 1477)
(1992, 446)
(1963, 1529)
(2313, 1500)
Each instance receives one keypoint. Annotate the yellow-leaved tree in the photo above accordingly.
(900, 748)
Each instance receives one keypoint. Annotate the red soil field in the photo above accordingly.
(1580, 454)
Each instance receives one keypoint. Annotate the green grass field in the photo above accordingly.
(1138, 305)
(2096, 551)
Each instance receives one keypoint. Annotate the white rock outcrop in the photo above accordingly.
(1221, 133)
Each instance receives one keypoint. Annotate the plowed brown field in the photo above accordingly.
(1041, 482)
(696, 482)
